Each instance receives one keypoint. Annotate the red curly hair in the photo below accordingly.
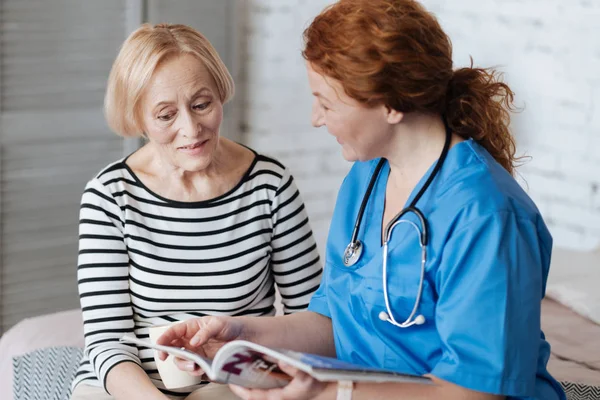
(394, 52)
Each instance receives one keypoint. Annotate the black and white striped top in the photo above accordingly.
(145, 260)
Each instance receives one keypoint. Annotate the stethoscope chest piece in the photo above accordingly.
(352, 253)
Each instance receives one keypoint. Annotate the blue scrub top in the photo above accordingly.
(488, 260)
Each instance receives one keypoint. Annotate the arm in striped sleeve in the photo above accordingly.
(294, 260)
(103, 281)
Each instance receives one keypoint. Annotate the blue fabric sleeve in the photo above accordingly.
(490, 285)
(319, 303)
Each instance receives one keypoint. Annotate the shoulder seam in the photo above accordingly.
(111, 167)
(261, 157)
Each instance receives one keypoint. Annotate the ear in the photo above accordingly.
(393, 116)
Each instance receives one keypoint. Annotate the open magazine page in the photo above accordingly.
(234, 363)
(248, 366)
(254, 366)
(204, 363)
(330, 369)
(321, 368)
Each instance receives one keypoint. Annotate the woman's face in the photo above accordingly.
(181, 113)
(363, 132)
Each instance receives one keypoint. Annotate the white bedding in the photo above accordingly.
(574, 281)
(59, 329)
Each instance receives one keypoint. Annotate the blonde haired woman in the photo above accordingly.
(191, 224)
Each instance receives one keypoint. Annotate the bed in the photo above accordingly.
(575, 343)
(62, 330)
(571, 315)
(574, 336)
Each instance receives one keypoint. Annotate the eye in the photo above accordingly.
(166, 117)
(202, 106)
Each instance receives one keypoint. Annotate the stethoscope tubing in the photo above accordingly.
(390, 316)
(353, 251)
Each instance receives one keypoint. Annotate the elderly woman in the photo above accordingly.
(191, 224)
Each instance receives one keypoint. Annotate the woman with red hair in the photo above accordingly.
(447, 258)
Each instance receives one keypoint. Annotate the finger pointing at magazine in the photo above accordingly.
(256, 366)
(204, 336)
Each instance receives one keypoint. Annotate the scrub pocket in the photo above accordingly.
(402, 299)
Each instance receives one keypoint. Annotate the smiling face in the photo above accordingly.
(181, 113)
(363, 132)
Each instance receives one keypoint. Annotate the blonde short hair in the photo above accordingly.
(139, 57)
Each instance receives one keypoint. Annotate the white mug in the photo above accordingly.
(172, 377)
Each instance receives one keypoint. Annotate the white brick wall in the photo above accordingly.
(549, 51)
(278, 104)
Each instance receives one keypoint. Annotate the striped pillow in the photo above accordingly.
(45, 374)
(580, 391)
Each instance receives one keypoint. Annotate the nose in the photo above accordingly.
(317, 116)
(190, 127)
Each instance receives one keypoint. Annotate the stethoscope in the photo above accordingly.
(355, 248)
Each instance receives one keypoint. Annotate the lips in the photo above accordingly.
(192, 146)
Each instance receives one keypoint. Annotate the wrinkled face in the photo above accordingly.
(363, 132)
(181, 113)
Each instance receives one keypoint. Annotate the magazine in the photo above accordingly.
(251, 365)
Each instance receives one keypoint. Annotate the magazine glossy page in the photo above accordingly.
(321, 368)
(248, 366)
(204, 363)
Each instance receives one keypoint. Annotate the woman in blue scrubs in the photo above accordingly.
(426, 136)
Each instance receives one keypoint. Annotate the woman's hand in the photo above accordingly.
(302, 387)
(204, 336)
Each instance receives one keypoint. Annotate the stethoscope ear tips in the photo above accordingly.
(383, 316)
(419, 320)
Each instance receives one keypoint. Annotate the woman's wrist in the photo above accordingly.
(248, 330)
(128, 380)
(266, 331)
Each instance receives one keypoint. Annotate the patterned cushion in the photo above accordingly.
(45, 374)
(579, 391)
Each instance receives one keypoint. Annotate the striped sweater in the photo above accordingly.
(145, 260)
